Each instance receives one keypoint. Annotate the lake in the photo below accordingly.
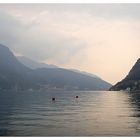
(94, 113)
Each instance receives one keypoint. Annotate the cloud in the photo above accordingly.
(36, 40)
(10, 29)
(115, 11)
(99, 38)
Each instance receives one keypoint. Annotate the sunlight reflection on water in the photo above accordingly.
(94, 113)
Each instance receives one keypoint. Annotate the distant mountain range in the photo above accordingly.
(15, 75)
(34, 64)
(132, 81)
(85, 73)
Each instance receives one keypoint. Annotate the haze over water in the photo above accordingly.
(94, 113)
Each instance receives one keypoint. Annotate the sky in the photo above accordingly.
(103, 39)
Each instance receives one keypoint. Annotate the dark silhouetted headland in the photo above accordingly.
(132, 81)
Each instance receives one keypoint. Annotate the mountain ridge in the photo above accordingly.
(132, 81)
(14, 75)
(34, 64)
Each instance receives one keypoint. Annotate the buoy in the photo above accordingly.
(76, 97)
(53, 99)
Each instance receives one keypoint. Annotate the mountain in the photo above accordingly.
(63, 78)
(53, 75)
(131, 81)
(85, 73)
(12, 72)
(33, 64)
(14, 75)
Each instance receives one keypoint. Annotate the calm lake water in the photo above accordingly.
(92, 114)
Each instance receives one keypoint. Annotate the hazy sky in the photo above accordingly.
(103, 39)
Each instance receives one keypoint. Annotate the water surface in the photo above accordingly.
(94, 113)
